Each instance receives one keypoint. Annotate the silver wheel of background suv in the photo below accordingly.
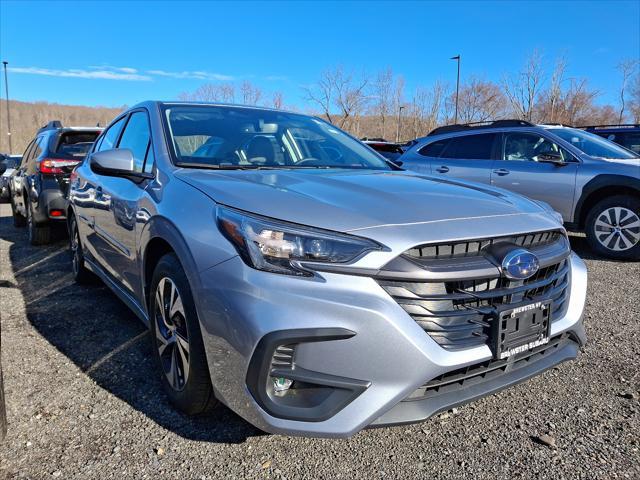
(617, 229)
(172, 338)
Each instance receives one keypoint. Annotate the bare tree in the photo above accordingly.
(634, 103)
(398, 103)
(480, 100)
(277, 100)
(383, 94)
(554, 94)
(210, 92)
(522, 89)
(322, 93)
(251, 94)
(627, 69)
(578, 102)
(350, 95)
(339, 90)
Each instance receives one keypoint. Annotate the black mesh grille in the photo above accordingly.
(458, 314)
(473, 247)
(480, 372)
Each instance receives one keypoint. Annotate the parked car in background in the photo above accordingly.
(290, 272)
(592, 182)
(8, 165)
(40, 184)
(389, 150)
(626, 135)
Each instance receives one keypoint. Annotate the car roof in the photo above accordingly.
(164, 103)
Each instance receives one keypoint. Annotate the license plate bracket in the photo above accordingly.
(521, 328)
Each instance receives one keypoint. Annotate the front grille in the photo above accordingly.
(473, 247)
(485, 371)
(457, 313)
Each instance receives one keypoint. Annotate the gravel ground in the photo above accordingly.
(84, 401)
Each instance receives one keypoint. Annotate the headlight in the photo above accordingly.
(276, 246)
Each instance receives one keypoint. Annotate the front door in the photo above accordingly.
(518, 169)
(120, 221)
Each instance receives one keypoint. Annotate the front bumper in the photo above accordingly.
(388, 355)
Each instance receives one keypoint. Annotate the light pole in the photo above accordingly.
(6, 89)
(457, 58)
(399, 119)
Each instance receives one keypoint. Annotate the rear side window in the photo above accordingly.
(433, 149)
(38, 148)
(136, 138)
(632, 141)
(470, 147)
(110, 137)
(75, 144)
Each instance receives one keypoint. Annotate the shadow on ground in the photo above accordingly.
(100, 335)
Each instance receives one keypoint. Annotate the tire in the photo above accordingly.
(177, 340)
(38, 234)
(18, 220)
(81, 274)
(613, 227)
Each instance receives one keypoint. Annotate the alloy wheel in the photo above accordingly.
(29, 222)
(618, 228)
(172, 338)
(75, 250)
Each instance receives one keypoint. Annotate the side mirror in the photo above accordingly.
(117, 162)
(551, 157)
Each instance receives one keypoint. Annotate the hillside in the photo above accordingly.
(27, 117)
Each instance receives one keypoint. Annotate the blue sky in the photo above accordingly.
(116, 53)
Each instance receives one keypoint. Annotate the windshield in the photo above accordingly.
(593, 145)
(237, 138)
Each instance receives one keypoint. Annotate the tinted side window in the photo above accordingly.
(110, 137)
(632, 141)
(27, 152)
(38, 148)
(433, 149)
(470, 147)
(136, 138)
(528, 146)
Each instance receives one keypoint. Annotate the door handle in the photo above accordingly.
(442, 169)
(501, 172)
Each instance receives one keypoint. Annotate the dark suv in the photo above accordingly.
(38, 189)
(626, 135)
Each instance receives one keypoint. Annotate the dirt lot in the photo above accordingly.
(85, 402)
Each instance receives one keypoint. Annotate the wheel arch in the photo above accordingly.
(160, 238)
(601, 187)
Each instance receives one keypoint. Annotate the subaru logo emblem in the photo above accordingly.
(520, 264)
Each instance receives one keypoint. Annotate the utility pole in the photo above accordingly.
(457, 58)
(6, 89)
(399, 119)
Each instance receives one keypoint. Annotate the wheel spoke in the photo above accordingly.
(180, 346)
(162, 342)
(622, 242)
(635, 223)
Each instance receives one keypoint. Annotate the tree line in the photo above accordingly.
(381, 106)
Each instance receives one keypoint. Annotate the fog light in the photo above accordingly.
(281, 385)
(56, 212)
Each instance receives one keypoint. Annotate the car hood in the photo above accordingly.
(632, 162)
(351, 200)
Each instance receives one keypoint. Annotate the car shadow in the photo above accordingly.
(103, 338)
